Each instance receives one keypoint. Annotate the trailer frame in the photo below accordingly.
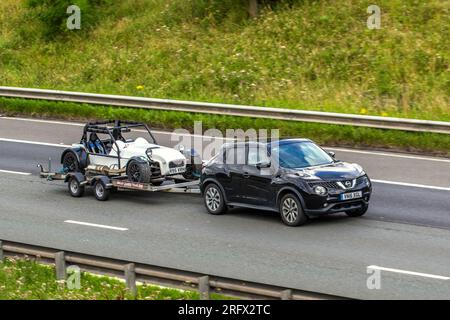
(103, 183)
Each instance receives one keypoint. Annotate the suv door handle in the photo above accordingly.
(246, 175)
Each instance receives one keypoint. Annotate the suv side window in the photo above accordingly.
(257, 153)
(235, 155)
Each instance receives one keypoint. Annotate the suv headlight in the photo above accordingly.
(321, 191)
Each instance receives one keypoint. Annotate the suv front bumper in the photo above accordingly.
(332, 204)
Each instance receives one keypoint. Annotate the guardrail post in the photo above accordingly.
(130, 278)
(253, 8)
(1, 251)
(286, 295)
(203, 288)
(60, 265)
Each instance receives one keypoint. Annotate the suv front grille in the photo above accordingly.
(337, 184)
(328, 185)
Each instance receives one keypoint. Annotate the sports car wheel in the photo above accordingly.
(139, 171)
(70, 162)
(75, 188)
(214, 200)
(100, 191)
(291, 211)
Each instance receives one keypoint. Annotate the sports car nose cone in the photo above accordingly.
(337, 171)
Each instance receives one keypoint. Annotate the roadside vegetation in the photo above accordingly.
(330, 135)
(24, 279)
(304, 54)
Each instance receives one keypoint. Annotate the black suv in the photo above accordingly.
(294, 177)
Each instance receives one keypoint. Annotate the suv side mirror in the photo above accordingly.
(332, 154)
(261, 165)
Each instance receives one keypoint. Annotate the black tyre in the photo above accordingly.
(214, 199)
(75, 188)
(100, 191)
(157, 183)
(357, 213)
(291, 211)
(139, 171)
(70, 162)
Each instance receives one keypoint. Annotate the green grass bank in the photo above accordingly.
(306, 54)
(25, 279)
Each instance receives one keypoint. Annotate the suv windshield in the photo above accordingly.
(301, 154)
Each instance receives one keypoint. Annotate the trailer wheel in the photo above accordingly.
(100, 191)
(75, 188)
(139, 171)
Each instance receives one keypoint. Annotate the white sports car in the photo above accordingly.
(103, 146)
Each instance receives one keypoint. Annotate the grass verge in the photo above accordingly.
(302, 54)
(330, 135)
(25, 279)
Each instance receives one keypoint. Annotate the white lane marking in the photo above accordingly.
(78, 124)
(376, 153)
(35, 142)
(411, 273)
(373, 180)
(410, 185)
(96, 225)
(16, 172)
(384, 154)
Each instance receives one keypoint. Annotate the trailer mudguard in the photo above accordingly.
(81, 155)
(104, 179)
(77, 175)
(138, 159)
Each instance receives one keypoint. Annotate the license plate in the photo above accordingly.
(177, 170)
(351, 195)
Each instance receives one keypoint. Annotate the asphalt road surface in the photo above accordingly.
(405, 229)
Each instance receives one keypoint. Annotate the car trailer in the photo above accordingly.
(104, 180)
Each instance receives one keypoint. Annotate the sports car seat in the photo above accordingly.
(95, 145)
